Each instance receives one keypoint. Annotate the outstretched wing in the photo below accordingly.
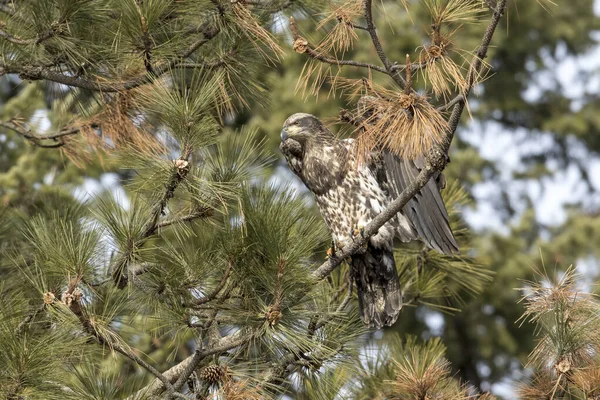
(426, 210)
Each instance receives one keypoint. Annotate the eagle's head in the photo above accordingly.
(304, 128)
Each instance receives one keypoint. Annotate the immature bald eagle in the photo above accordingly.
(351, 194)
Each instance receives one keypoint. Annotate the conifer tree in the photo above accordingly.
(204, 280)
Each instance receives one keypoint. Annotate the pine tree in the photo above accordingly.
(204, 279)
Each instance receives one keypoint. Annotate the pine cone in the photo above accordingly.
(273, 315)
(213, 373)
(49, 298)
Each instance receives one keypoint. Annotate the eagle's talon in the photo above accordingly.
(331, 252)
(357, 231)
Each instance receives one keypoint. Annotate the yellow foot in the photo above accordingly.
(357, 230)
(334, 246)
(330, 252)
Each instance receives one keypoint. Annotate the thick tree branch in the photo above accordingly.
(232, 341)
(372, 227)
(435, 162)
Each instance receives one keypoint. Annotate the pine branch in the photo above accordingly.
(389, 67)
(36, 72)
(321, 323)
(329, 60)
(287, 364)
(180, 171)
(72, 299)
(27, 320)
(451, 103)
(24, 42)
(229, 342)
(14, 39)
(36, 138)
(212, 295)
(301, 45)
(435, 161)
(214, 336)
(200, 213)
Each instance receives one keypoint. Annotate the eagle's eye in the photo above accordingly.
(297, 123)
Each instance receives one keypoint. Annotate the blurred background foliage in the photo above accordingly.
(526, 164)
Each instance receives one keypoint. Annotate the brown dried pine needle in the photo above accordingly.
(313, 76)
(568, 321)
(236, 389)
(342, 36)
(253, 30)
(460, 11)
(406, 124)
(587, 380)
(541, 387)
(442, 73)
(111, 129)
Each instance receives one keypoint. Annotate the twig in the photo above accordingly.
(301, 45)
(27, 320)
(146, 40)
(36, 138)
(200, 213)
(279, 370)
(367, 5)
(23, 42)
(321, 323)
(389, 67)
(14, 39)
(435, 161)
(329, 60)
(451, 103)
(474, 72)
(212, 295)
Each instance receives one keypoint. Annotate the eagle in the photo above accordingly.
(350, 194)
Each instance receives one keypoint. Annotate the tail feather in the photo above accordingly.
(378, 286)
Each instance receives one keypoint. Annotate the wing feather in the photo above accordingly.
(426, 210)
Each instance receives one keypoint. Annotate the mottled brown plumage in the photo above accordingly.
(350, 194)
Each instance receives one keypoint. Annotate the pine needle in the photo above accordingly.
(342, 36)
(313, 76)
(462, 11)
(406, 124)
(422, 372)
(255, 32)
(568, 322)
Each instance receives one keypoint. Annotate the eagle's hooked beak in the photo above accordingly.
(284, 134)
